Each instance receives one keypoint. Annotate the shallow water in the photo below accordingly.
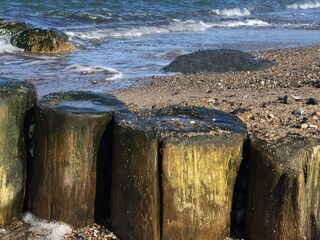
(120, 40)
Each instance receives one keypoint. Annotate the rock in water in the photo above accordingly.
(37, 40)
(221, 60)
(284, 189)
(70, 149)
(16, 99)
(173, 173)
(9, 27)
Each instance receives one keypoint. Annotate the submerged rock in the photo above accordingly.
(10, 27)
(221, 60)
(37, 40)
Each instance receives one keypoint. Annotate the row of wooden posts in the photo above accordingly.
(175, 173)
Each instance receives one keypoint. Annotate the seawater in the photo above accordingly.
(120, 40)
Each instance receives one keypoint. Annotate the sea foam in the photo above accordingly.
(175, 26)
(6, 47)
(52, 230)
(231, 12)
(310, 5)
(111, 73)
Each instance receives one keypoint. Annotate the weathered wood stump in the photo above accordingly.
(284, 193)
(173, 173)
(69, 129)
(16, 99)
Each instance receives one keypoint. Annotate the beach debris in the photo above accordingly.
(312, 101)
(288, 99)
(92, 231)
(298, 112)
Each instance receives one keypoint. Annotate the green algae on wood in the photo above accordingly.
(16, 99)
(198, 175)
(135, 197)
(181, 144)
(69, 129)
(284, 193)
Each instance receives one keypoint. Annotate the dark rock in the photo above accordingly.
(222, 60)
(288, 99)
(298, 112)
(312, 101)
(38, 40)
(9, 27)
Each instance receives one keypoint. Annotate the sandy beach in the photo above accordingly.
(273, 102)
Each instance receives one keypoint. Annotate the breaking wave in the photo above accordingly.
(231, 12)
(310, 5)
(175, 26)
(110, 73)
(6, 47)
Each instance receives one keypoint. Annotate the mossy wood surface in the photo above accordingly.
(174, 172)
(284, 193)
(135, 196)
(198, 175)
(16, 99)
(67, 139)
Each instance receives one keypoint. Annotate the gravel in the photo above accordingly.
(265, 108)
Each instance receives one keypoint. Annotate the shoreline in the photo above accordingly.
(257, 97)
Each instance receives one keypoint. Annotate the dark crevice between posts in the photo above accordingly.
(28, 130)
(240, 196)
(103, 180)
(160, 171)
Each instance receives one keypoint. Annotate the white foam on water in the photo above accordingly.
(6, 47)
(87, 69)
(231, 12)
(249, 22)
(310, 5)
(175, 26)
(95, 16)
(52, 230)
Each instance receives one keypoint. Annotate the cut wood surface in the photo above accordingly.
(16, 98)
(174, 172)
(69, 128)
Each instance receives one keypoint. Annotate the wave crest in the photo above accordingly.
(6, 47)
(111, 73)
(175, 26)
(231, 12)
(310, 5)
